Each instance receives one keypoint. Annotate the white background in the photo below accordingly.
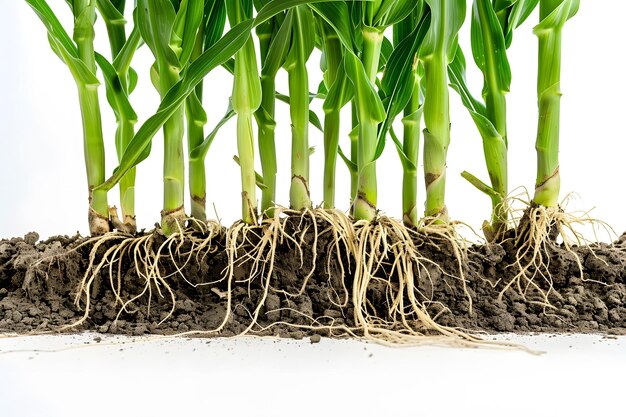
(41, 164)
(44, 189)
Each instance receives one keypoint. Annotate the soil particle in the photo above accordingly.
(39, 281)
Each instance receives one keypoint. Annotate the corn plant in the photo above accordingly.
(436, 52)
(301, 47)
(120, 81)
(403, 91)
(379, 78)
(274, 36)
(337, 95)
(79, 56)
(552, 14)
(492, 28)
(170, 30)
(246, 100)
(209, 32)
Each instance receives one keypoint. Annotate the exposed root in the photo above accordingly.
(542, 231)
(391, 293)
(387, 242)
(147, 254)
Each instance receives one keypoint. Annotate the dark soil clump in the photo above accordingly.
(305, 293)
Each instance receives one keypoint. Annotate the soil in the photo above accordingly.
(39, 281)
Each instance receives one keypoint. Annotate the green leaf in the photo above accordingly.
(279, 46)
(519, 12)
(337, 15)
(215, 18)
(117, 97)
(213, 57)
(447, 17)
(394, 11)
(349, 164)
(456, 74)
(399, 77)
(155, 19)
(200, 152)
(185, 28)
(557, 18)
(122, 61)
(340, 93)
(62, 45)
(313, 119)
(302, 36)
(367, 98)
(407, 164)
(488, 46)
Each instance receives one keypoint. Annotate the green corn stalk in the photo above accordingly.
(302, 44)
(79, 56)
(360, 27)
(171, 36)
(492, 28)
(337, 96)
(552, 14)
(401, 85)
(210, 30)
(437, 52)
(246, 100)
(120, 81)
(274, 38)
(366, 197)
(219, 54)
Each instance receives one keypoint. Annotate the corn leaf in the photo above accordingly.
(199, 152)
(391, 12)
(279, 47)
(185, 27)
(313, 118)
(399, 77)
(488, 45)
(555, 20)
(450, 15)
(62, 45)
(340, 93)
(117, 97)
(218, 54)
(215, 21)
(156, 24)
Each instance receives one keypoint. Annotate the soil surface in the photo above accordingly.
(294, 296)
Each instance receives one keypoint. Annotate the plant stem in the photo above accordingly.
(332, 121)
(245, 147)
(125, 126)
(93, 139)
(495, 103)
(411, 140)
(333, 53)
(196, 119)
(265, 124)
(299, 196)
(366, 197)
(548, 183)
(354, 153)
(246, 99)
(173, 214)
(267, 145)
(436, 135)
